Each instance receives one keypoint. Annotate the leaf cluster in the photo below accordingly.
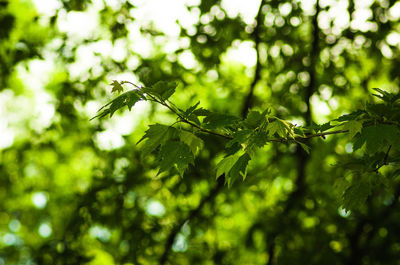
(376, 127)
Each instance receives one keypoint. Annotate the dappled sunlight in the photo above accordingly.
(199, 132)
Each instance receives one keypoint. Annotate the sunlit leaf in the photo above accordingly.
(353, 127)
(191, 140)
(116, 87)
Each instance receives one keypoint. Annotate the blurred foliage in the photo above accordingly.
(74, 191)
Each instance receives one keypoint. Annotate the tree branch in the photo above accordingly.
(257, 73)
(195, 212)
(302, 157)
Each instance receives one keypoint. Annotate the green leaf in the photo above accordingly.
(165, 89)
(305, 147)
(277, 127)
(233, 166)
(226, 164)
(155, 136)
(386, 96)
(351, 116)
(254, 119)
(189, 113)
(239, 168)
(353, 127)
(175, 153)
(117, 87)
(162, 90)
(145, 76)
(378, 110)
(216, 120)
(239, 137)
(128, 99)
(377, 137)
(131, 98)
(191, 140)
(201, 112)
(356, 194)
(256, 140)
(189, 110)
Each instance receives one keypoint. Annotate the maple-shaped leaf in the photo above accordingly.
(191, 140)
(239, 137)
(351, 116)
(145, 76)
(386, 96)
(353, 127)
(131, 98)
(377, 137)
(162, 90)
(239, 168)
(356, 194)
(233, 166)
(226, 164)
(217, 120)
(175, 153)
(201, 112)
(190, 115)
(116, 87)
(155, 136)
(255, 141)
(128, 99)
(378, 110)
(254, 119)
(189, 110)
(281, 128)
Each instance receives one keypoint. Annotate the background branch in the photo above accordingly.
(248, 103)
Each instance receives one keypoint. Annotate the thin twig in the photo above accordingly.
(384, 162)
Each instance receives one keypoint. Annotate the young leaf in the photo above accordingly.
(117, 87)
(175, 153)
